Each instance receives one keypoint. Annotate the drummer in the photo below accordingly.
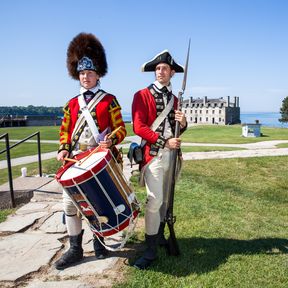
(86, 62)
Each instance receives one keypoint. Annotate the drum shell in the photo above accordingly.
(101, 191)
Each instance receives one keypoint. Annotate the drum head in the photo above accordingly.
(78, 169)
(88, 165)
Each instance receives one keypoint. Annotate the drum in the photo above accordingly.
(100, 191)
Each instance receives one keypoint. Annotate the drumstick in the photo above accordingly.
(92, 152)
(96, 149)
(114, 132)
(71, 160)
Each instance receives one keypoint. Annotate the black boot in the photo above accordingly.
(161, 238)
(73, 255)
(150, 253)
(100, 251)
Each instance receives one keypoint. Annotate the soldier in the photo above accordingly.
(154, 111)
(86, 62)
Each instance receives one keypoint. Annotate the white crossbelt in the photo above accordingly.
(160, 118)
(86, 114)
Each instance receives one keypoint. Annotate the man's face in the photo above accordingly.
(88, 78)
(163, 73)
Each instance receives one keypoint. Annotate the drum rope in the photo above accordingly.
(130, 202)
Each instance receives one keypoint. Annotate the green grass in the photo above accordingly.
(46, 132)
(26, 149)
(283, 145)
(4, 213)
(48, 167)
(231, 217)
(230, 134)
(231, 227)
(198, 134)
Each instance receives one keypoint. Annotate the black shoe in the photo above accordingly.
(150, 253)
(73, 255)
(68, 259)
(143, 263)
(100, 251)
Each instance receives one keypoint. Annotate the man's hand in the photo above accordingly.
(173, 143)
(62, 154)
(106, 143)
(180, 117)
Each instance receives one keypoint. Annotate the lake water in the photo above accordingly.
(265, 118)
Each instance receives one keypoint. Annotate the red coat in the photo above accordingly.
(143, 115)
(108, 114)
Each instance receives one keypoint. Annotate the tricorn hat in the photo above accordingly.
(85, 52)
(162, 57)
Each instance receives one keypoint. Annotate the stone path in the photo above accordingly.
(33, 238)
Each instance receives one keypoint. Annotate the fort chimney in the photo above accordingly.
(228, 101)
(204, 100)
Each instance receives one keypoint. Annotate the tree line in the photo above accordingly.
(31, 110)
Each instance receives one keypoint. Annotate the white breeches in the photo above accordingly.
(156, 180)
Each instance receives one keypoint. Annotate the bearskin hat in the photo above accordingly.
(85, 52)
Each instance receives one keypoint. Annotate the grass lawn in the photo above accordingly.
(231, 216)
(46, 132)
(283, 145)
(48, 167)
(230, 134)
(231, 227)
(4, 213)
(27, 149)
(198, 134)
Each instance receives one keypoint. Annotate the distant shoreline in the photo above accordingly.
(269, 119)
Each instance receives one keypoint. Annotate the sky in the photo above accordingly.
(238, 48)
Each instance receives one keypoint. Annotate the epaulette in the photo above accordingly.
(114, 105)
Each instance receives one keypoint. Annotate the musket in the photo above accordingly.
(173, 248)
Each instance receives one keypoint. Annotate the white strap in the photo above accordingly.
(86, 113)
(91, 105)
(163, 115)
(160, 118)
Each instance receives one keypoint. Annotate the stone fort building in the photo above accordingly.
(212, 110)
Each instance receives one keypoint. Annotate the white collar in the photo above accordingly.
(158, 86)
(94, 89)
